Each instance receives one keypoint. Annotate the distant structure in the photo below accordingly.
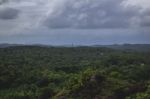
(72, 45)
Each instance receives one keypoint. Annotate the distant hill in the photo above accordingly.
(5, 45)
(130, 47)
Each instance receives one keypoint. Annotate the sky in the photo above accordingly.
(81, 22)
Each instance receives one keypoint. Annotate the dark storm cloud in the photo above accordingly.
(3, 1)
(8, 13)
(145, 19)
(78, 14)
(91, 14)
(145, 23)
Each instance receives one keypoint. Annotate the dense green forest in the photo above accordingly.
(34, 72)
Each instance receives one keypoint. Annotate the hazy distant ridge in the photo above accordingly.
(134, 47)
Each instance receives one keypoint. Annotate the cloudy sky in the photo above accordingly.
(81, 22)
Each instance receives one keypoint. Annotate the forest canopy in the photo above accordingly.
(38, 72)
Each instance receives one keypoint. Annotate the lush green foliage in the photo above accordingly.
(32, 72)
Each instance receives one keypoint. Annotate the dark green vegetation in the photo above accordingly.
(32, 72)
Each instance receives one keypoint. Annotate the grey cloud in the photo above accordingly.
(76, 14)
(8, 13)
(142, 19)
(3, 1)
(145, 19)
(91, 14)
(145, 22)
